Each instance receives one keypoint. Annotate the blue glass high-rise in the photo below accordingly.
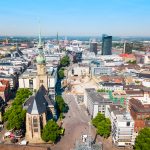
(106, 45)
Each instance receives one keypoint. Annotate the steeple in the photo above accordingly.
(40, 41)
(40, 59)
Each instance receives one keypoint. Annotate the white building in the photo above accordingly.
(81, 70)
(122, 125)
(94, 102)
(111, 86)
(29, 80)
(96, 71)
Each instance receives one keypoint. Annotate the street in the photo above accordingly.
(76, 123)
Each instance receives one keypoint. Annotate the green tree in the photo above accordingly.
(142, 141)
(15, 115)
(21, 95)
(61, 105)
(132, 62)
(102, 124)
(61, 73)
(17, 118)
(104, 128)
(65, 61)
(51, 131)
(100, 117)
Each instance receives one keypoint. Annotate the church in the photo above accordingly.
(40, 106)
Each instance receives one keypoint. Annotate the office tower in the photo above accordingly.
(106, 45)
(128, 46)
(93, 47)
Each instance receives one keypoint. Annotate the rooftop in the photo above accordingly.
(117, 109)
(97, 97)
(37, 104)
(137, 106)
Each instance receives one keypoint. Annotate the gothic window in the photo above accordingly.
(35, 122)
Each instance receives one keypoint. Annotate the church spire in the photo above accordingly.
(40, 59)
(40, 41)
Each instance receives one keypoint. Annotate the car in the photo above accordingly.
(24, 142)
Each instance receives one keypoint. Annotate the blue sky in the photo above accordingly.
(75, 17)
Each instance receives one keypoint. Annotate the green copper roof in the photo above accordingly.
(40, 59)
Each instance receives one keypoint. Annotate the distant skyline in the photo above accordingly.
(75, 17)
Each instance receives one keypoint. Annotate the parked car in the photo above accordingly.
(24, 142)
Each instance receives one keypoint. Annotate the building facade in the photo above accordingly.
(128, 47)
(106, 45)
(93, 47)
(122, 125)
(139, 112)
(94, 102)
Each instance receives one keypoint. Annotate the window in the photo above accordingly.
(138, 116)
(35, 122)
(41, 81)
(30, 83)
(128, 123)
(36, 130)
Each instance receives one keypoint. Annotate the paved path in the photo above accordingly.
(75, 123)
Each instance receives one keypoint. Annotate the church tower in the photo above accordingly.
(42, 77)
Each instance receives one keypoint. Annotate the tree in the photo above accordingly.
(16, 119)
(51, 131)
(102, 124)
(60, 104)
(104, 128)
(132, 62)
(65, 61)
(15, 115)
(142, 141)
(21, 95)
(61, 73)
(100, 117)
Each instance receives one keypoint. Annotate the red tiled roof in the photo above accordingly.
(127, 55)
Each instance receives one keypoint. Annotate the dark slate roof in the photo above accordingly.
(37, 104)
(49, 101)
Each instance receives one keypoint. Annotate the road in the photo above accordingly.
(76, 123)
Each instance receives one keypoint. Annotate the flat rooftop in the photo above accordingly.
(97, 97)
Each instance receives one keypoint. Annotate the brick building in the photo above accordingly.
(4, 90)
(139, 112)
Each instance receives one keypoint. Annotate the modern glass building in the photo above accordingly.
(106, 45)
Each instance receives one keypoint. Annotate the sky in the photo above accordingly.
(75, 17)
